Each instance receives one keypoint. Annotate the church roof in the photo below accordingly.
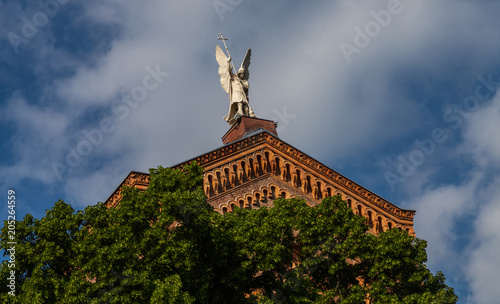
(259, 167)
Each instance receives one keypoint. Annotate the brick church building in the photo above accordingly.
(254, 166)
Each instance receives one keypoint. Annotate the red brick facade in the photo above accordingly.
(254, 167)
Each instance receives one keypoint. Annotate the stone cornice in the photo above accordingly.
(207, 159)
(220, 154)
(338, 178)
(134, 179)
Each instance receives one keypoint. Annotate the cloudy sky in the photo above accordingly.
(400, 96)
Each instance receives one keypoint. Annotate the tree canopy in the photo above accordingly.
(166, 245)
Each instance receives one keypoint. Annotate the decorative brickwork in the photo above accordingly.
(254, 171)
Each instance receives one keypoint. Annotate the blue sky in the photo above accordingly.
(400, 96)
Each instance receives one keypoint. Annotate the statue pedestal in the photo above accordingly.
(248, 126)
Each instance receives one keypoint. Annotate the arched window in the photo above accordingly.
(308, 178)
(278, 165)
(379, 225)
(245, 176)
(250, 167)
(287, 177)
(299, 178)
(370, 221)
(319, 189)
(259, 161)
(273, 192)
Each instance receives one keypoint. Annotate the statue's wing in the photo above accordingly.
(224, 69)
(246, 63)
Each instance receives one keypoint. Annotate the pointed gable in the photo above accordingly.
(254, 167)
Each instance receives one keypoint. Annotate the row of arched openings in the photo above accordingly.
(254, 165)
(239, 172)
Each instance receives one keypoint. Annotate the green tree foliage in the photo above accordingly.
(167, 245)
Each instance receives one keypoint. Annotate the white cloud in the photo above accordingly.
(467, 214)
(484, 263)
(481, 133)
(38, 132)
(342, 110)
(437, 218)
(360, 105)
(107, 12)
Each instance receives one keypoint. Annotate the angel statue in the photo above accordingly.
(235, 84)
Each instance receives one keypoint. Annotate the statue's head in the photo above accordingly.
(241, 72)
